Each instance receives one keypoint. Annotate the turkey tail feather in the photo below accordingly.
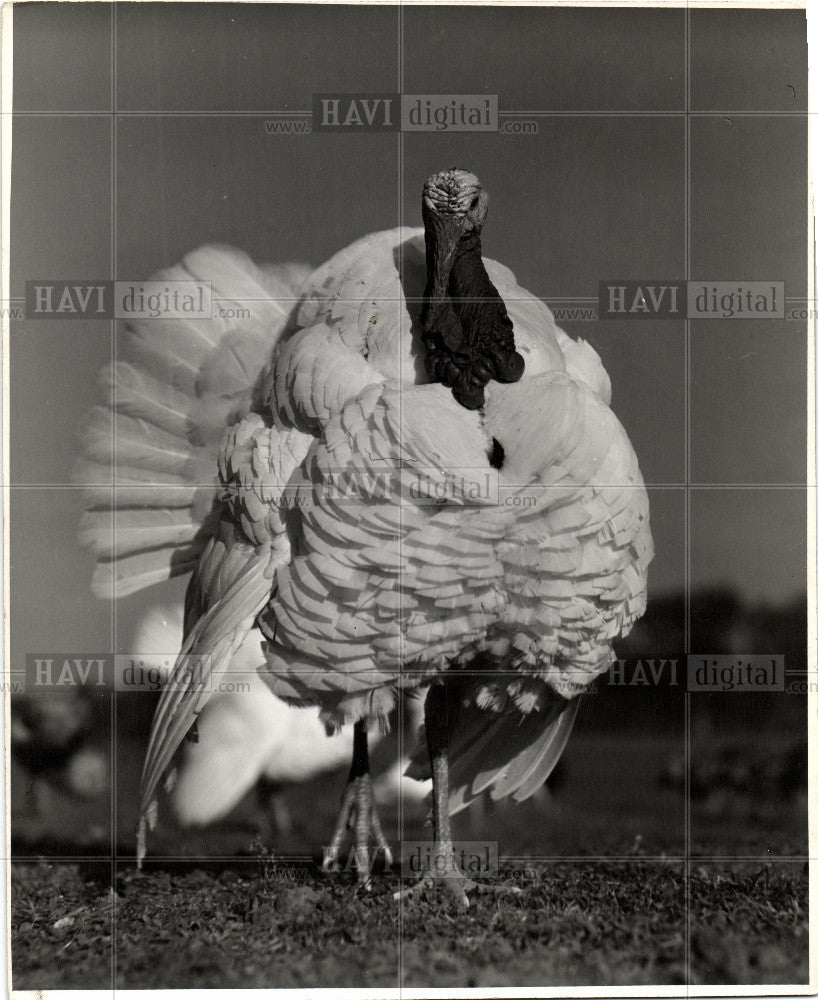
(523, 779)
(506, 755)
(151, 447)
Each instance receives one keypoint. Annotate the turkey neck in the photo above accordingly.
(467, 332)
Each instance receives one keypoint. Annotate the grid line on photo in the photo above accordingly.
(697, 487)
(598, 113)
(401, 933)
(114, 477)
(544, 859)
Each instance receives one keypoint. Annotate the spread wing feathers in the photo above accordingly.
(151, 446)
(202, 662)
(506, 755)
(231, 585)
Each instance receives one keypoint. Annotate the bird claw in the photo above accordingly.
(330, 862)
(457, 887)
(448, 878)
(359, 814)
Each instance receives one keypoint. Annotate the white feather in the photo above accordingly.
(243, 735)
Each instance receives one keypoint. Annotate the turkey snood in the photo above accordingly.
(466, 330)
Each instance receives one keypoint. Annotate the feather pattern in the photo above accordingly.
(243, 733)
(202, 662)
(231, 584)
(150, 447)
(356, 515)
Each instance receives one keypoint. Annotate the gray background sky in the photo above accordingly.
(594, 195)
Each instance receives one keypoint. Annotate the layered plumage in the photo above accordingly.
(378, 533)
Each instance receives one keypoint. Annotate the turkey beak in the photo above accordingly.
(443, 232)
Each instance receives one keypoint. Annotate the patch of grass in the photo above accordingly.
(61, 924)
(258, 924)
(749, 923)
(263, 921)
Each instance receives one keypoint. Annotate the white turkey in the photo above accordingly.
(418, 482)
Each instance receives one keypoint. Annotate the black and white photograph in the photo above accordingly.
(409, 499)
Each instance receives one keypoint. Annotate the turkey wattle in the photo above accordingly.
(487, 536)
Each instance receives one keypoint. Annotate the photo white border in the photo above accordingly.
(412, 993)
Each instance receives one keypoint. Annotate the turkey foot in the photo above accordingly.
(445, 876)
(359, 814)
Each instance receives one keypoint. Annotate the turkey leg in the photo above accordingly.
(443, 871)
(359, 814)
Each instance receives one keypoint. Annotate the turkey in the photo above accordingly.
(404, 475)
